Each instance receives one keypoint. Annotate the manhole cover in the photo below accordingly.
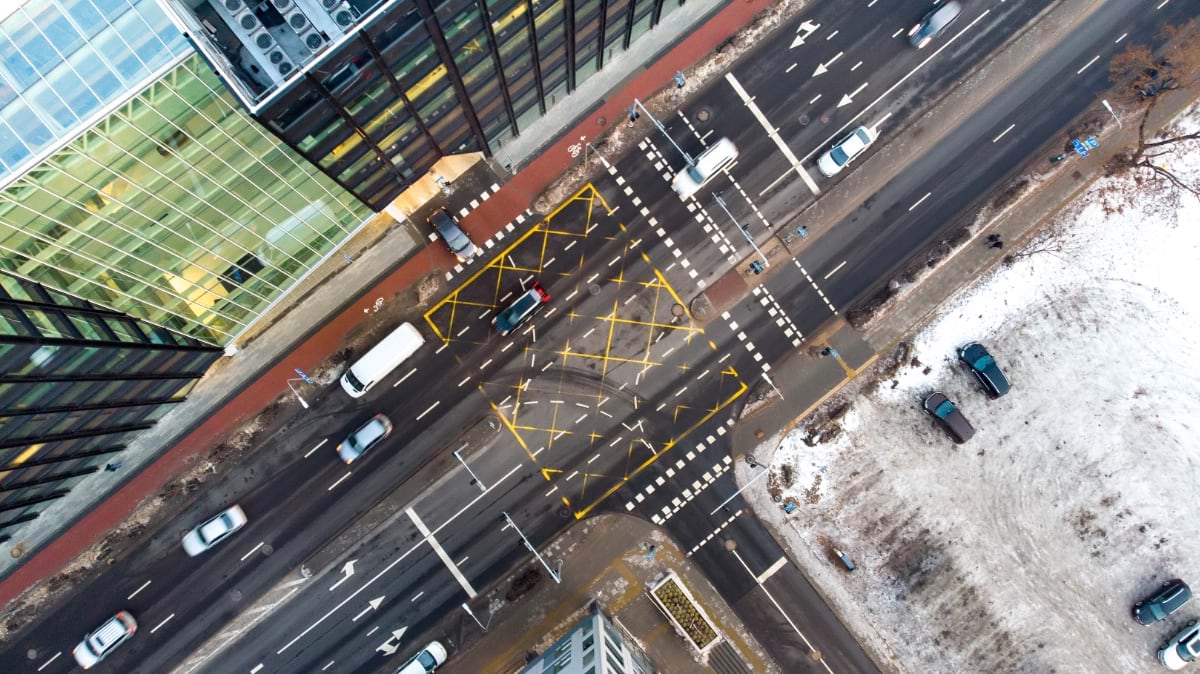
(804, 119)
(703, 115)
(564, 512)
(594, 289)
(16, 551)
(677, 310)
(601, 121)
(268, 549)
(235, 595)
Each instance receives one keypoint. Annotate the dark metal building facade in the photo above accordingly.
(415, 80)
(77, 381)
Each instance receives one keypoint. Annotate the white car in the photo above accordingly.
(845, 150)
(1183, 648)
(365, 437)
(934, 24)
(104, 640)
(429, 659)
(689, 180)
(214, 530)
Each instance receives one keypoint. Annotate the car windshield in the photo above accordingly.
(983, 362)
(354, 382)
(838, 155)
(694, 174)
(525, 303)
(944, 410)
(427, 661)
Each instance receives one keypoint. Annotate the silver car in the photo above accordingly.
(365, 437)
(215, 530)
(1182, 648)
(691, 178)
(934, 23)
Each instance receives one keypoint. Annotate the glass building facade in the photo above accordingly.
(63, 61)
(77, 380)
(597, 644)
(177, 209)
(413, 80)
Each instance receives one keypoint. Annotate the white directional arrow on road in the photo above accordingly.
(372, 605)
(387, 648)
(807, 28)
(849, 98)
(824, 67)
(347, 571)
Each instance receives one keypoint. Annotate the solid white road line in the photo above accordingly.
(779, 564)
(1085, 66)
(252, 551)
(339, 481)
(143, 586)
(319, 445)
(47, 663)
(164, 622)
(437, 548)
(919, 201)
(772, 133)
(1004, 132)
(781, 611)
(391, 566)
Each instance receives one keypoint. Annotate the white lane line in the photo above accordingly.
(339, 481)
(1094, 59)
(772, 133)
(431, 408)
(463, 560)
(164, 622)
(257, 668)
(437, 548)
(319, 445)
(135, 592)
(1002, 133)
(791, 67)
(779, 564)
(417, 596)
(394, 563)
(328, 665)
(919, 201)
(252, 551)
(854, 120)
(843, 264)
(47, 663)
(1123, 36)
(410, 372)
(1162, 4)
(441, 348)
(780, 609)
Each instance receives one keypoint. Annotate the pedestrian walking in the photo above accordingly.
(993, 237)
(997, 244)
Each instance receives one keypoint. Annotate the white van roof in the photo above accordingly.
(385, 357)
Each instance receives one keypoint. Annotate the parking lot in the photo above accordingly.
(1023, 549)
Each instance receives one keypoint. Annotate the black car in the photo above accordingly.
(984, 368)
(1169, 598)
(948, 415)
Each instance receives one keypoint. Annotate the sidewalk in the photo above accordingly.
(606, 559)
(259, 386)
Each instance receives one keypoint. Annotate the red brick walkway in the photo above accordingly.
(504, 206)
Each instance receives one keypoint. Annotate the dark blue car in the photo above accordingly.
(521, 308)
(1169, 598)
(984, 368)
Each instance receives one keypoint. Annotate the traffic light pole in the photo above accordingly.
(633, 115)
(721, 203)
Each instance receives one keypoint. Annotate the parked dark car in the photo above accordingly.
(447, 227)
(1167, 599)
(948, 415)
(984, 368)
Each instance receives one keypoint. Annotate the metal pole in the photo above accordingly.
(764, 471)
(663, 129)
(1108, 107)
(472, 614)
(721, 203)
(297, 393)
(475, 477)
(529, 546)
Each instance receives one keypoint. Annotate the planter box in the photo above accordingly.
(683, 611)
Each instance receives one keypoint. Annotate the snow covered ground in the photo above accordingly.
(1023, 550)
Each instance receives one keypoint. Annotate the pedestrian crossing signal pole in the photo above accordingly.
(529, 546)
(742, 229)
(633, 117)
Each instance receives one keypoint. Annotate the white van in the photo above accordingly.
(382, 359)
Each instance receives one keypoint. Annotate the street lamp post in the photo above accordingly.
(750, 461)
(633, 115)
(1108, 106)
(721, 203)
(296, 393)
(553, 573)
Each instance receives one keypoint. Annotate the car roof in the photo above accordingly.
(370, 431)
(214, 527)
(720, 152)
(108, 634)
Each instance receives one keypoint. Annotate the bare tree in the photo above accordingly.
(1142, 78)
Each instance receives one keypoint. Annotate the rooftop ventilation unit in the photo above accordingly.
(341, 13)
(300, 24)
(260, 47)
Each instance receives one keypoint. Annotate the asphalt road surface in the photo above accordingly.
(611, 398)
